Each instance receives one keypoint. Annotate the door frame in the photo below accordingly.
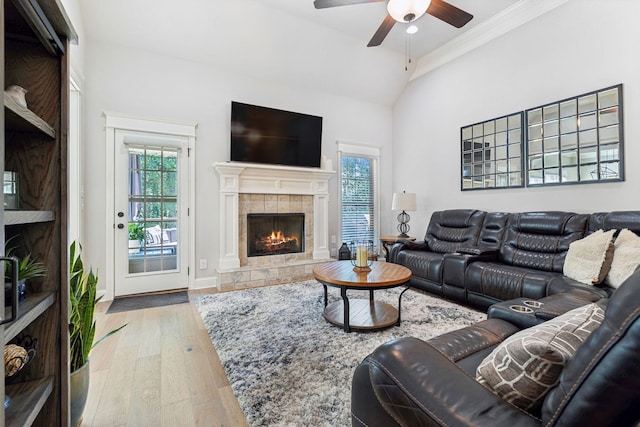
(121, 121)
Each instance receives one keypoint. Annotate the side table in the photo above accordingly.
(388, 241)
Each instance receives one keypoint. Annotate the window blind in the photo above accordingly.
(359, 209)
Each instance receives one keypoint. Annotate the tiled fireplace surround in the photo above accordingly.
(250, 188)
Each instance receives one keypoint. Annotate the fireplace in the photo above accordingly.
(275, 234)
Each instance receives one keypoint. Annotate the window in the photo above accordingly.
(359, 193)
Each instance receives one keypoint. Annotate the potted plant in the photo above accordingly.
(136, 236)
(28, 268)
(83, 288)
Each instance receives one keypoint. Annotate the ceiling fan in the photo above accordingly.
(405, 11)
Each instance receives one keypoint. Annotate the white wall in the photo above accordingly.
(582, 46)
(137, 82)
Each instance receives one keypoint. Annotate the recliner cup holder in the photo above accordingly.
(521, 309)
(533, 304)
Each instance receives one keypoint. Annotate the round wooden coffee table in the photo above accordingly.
(361, 314)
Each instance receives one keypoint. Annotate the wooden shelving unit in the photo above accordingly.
(35, 37)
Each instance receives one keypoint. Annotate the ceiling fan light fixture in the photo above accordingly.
(407, 10)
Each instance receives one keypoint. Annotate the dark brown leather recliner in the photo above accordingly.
(410, 382)
(447, 231)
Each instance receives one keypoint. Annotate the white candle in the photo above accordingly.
(361, 256)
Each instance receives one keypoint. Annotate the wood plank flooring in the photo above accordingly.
(161, 370)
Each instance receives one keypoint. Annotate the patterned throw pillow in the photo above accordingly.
(528, 364)
(588, 260)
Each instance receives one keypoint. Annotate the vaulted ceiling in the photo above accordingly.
(287, 41)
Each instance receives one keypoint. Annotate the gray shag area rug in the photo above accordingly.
(288, 366)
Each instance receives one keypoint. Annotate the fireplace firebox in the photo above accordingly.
(275, 234)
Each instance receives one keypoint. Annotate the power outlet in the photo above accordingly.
(334, 252)
(333, 239)
(203, 264)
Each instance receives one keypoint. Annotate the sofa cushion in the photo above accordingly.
(448, 230)
(540, 240)
(528, 364)
(626, 258)
(588, 260)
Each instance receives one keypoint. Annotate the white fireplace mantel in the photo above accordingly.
(249, 178)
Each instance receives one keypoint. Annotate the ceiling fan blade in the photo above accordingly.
(322, 4)
(448, 13)
(382, 31)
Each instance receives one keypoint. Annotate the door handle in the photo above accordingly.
(120, 226)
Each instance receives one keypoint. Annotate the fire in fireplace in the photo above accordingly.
(275, 234)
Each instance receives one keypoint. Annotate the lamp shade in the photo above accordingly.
(407, 10)
(403, 201)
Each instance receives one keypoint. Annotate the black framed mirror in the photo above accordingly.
(576, 140)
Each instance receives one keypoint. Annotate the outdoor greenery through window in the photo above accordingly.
(153, 201)
(359, 198)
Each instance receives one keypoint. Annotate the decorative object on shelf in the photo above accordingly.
(11, 190)
(17, 355)
(362, 255)
(344, 253)
(83, 298)
(28, 268)
(403, 202)
(18, 94)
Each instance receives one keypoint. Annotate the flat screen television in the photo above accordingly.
(271, 136)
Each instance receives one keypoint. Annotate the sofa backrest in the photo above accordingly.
(540, 240)
(452, 229)
(615, 220)
(599, 386)
(493, 228)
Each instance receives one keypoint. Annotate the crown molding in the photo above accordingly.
(510, 18)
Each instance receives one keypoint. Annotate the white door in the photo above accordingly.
(151, 212)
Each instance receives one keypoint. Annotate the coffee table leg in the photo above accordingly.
(345, 303)
(325, 294)
(400, 305)
(371, 296)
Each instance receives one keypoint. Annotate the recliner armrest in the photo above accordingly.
(455, 265)
(401, 245)
(417, 385)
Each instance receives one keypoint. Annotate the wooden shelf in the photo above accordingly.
(28, 310)
(27, 400)
(20, 118)
(27, 217)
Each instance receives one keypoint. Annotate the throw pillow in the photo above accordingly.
(153, 235)
(588, 260)
(528, 364)
(626, 257)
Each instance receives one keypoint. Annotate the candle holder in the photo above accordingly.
(361, 255)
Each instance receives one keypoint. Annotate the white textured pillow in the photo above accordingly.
(626, 257)
(588, 260)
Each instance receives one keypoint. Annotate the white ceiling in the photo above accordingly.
(284, 41)
(362, 20)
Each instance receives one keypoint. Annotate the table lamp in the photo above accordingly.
(403, 202)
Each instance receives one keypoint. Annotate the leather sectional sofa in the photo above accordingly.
(480, 258)
(499, 262)
(410, 382)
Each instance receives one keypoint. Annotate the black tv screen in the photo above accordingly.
(267, 135)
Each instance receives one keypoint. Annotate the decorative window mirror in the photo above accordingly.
(576, 140)
(491, 153)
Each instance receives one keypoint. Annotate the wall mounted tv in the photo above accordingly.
(267, 135)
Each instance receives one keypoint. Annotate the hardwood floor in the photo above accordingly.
(161, 370)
